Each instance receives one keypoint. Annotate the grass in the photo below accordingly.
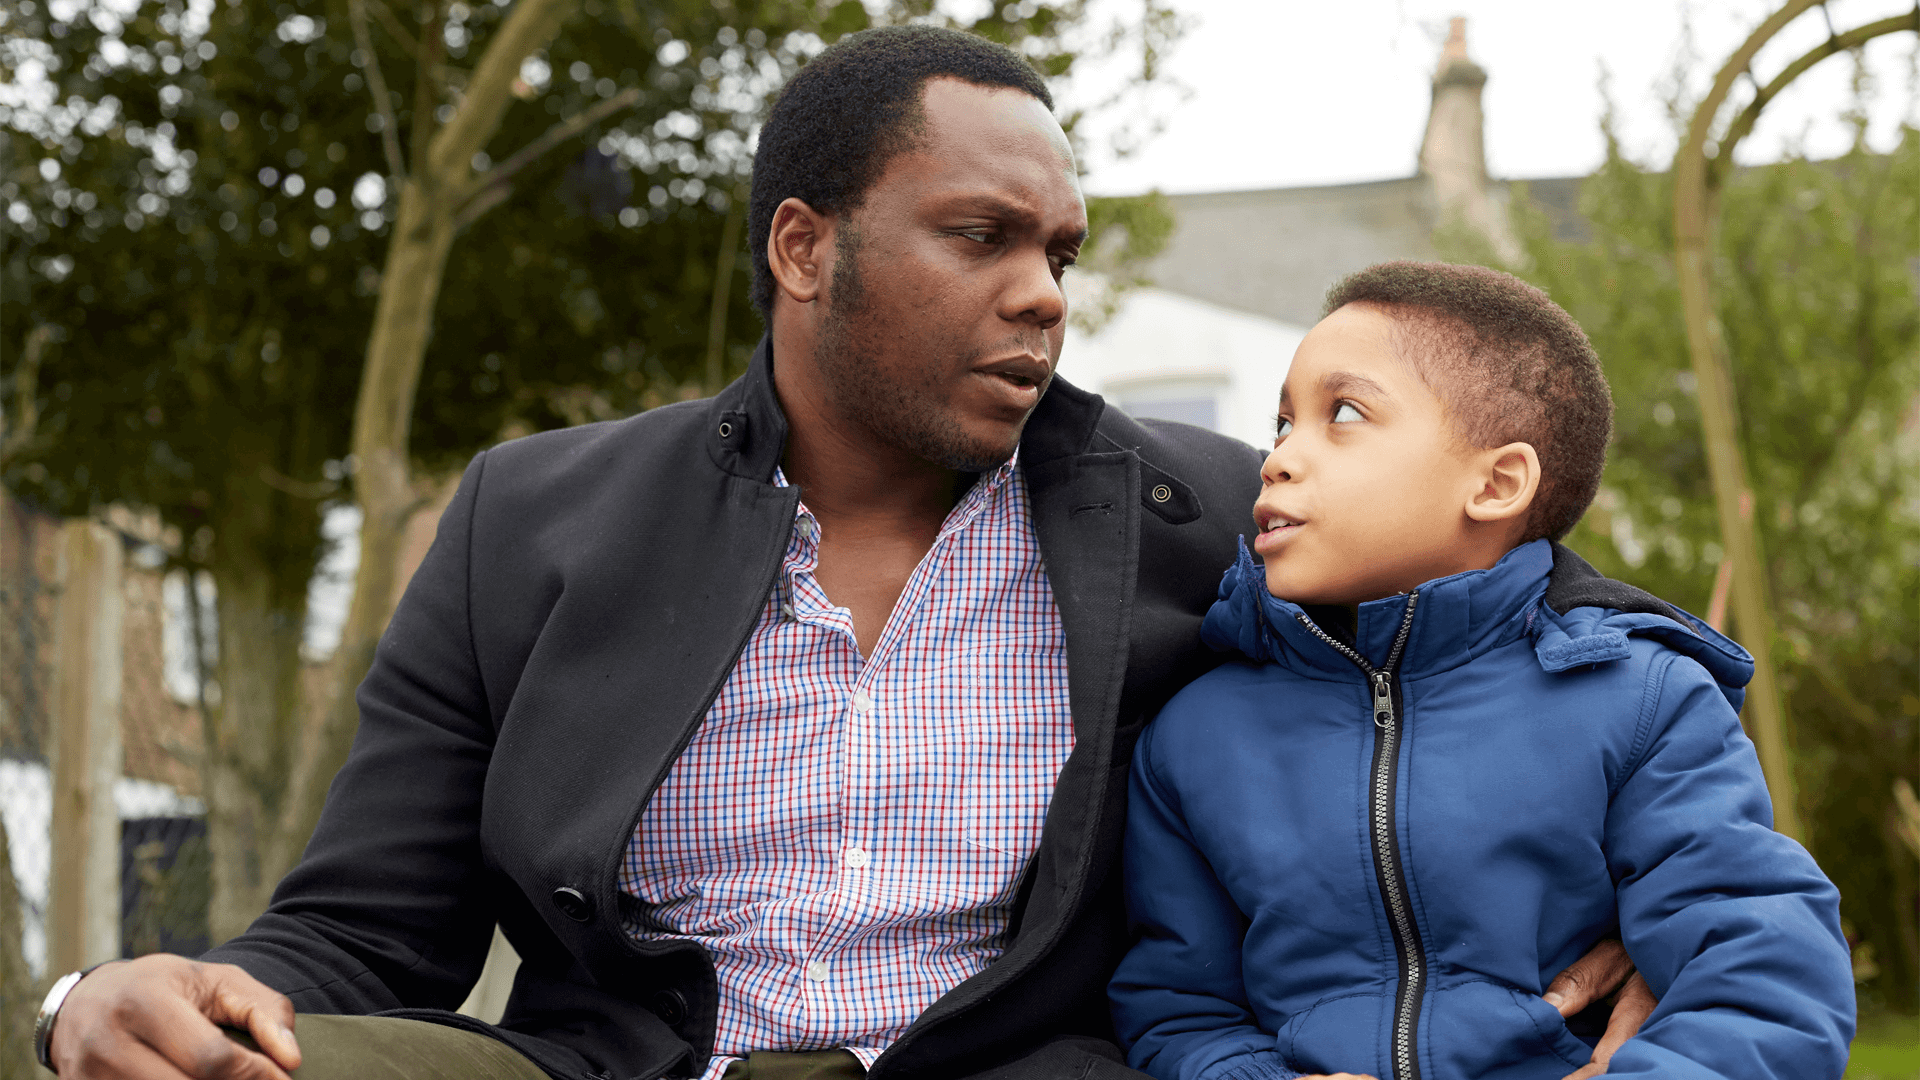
(1887, 1048)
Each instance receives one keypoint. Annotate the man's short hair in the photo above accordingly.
(851, 110)
(1509, 364)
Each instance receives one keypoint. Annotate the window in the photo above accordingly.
(1186, 400)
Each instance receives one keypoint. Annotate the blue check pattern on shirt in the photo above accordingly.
(845, 835)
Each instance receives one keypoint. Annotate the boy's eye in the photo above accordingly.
(1346, 414)
(1283, 430)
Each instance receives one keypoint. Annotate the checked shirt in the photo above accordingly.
(845, 836)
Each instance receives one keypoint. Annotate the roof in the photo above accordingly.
(1276, 252)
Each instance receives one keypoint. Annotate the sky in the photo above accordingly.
(1283, 93)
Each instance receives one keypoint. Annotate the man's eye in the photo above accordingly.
(978, 236)
(1285, 429)
(1346, 414)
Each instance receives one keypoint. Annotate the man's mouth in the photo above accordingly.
(1021, 379)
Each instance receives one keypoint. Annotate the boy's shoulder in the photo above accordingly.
(1593, 636)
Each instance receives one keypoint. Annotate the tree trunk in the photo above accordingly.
(83, 893)
(1696, 178)
(425, 223)
(254, 728)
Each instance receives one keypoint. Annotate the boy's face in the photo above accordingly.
(1366, 491)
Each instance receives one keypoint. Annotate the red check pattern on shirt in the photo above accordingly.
(845, 837)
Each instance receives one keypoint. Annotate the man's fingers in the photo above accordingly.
(1636, 1003)
(113, 1056)
(181, 1032)
(1590, 978)
(159, 1017)
(236, 999)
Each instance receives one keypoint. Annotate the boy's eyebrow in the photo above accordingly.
(1337, 383)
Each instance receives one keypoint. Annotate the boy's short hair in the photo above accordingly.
(1509, 365)
(840, 121)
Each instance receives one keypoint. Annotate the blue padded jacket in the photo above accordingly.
(1372, 855)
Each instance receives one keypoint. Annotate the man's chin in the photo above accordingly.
(975, 459)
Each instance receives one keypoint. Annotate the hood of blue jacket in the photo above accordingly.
(1458, 618)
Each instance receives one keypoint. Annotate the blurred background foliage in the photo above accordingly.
(1817, 277)
(198, 210)
(199, 198)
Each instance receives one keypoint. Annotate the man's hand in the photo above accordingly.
(159, 1018)
(1605, 969)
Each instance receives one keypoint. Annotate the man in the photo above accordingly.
(784, 733)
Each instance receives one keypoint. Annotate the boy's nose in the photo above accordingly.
(1276, 469)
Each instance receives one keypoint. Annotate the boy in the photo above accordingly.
(1367, 844)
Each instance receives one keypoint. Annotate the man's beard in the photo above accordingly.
(914, 416)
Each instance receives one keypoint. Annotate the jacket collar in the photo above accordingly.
(746, 431)
(1458, 618)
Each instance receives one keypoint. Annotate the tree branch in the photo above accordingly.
(481, 197)
(426, 92)
(26, 390)
(391, 24)
(479, 203)
(529, 26)
(377, 86)
(1722, 162)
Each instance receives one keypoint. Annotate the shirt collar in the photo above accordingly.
(977, 497)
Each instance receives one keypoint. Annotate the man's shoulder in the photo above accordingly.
(1208, 476)
(1167, 443)
(636, 438)
(565, 462)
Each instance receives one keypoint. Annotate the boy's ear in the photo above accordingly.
(1509, 477)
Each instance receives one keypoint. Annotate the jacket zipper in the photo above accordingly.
(1386, 853)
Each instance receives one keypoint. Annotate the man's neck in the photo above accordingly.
(850, 474)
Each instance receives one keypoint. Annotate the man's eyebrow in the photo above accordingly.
(1337, 383)
(1000, 209)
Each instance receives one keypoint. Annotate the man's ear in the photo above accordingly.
(1509, 477)
(797, 246)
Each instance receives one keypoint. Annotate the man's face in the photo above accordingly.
(945, 314)
(1365, 491)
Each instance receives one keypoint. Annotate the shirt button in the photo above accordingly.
(857, 858)
(817, 971)
(862, 701)
(786, 611)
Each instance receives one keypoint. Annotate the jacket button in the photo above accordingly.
(573, 904)
(1161, 493)
(669, 1006)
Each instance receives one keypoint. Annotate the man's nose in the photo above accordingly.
(1034, 294)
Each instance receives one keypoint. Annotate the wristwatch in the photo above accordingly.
(49, 1009)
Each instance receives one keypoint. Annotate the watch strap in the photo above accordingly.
(49, 1010)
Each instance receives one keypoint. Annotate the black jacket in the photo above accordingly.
(586, 597)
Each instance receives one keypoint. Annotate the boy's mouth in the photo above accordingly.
(1275, 528)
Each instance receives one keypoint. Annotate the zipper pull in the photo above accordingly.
(1382, 700)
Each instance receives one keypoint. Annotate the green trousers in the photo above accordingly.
(384, 1048)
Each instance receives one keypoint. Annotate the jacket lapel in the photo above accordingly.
(1086, 515)
(660, 586)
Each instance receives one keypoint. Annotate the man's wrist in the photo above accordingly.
(50, 1011)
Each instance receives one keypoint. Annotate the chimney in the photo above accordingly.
(1453, 155)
